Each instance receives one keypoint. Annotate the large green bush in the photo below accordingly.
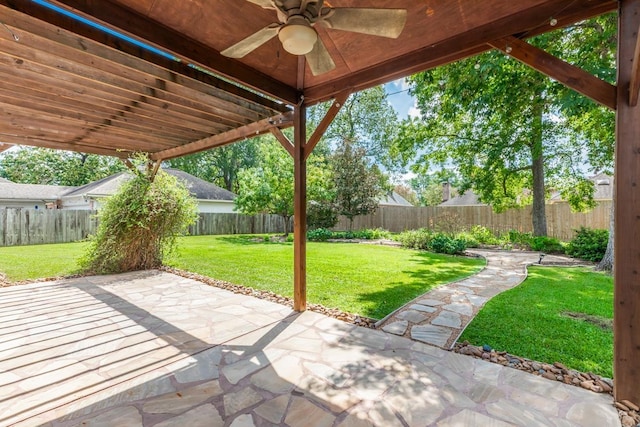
(546, 244)
(321, 215)
(588, 244)
(445, 244)
(139, 224)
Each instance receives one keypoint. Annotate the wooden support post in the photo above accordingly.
(299, 210)
(635, 74)
(626, 328)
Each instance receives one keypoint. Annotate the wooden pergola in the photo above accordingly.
(73, 86)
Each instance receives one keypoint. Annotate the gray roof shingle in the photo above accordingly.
(199, 188)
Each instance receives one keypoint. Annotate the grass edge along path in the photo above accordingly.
(550, 318)
(369, 280)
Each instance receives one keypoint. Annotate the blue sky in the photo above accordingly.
(402, 102)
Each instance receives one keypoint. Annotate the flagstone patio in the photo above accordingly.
(155, 349)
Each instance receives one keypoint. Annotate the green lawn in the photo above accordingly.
(40, 261)
(556, 315)
(370, 280)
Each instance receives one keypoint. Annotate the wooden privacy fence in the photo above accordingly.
(33, 226)
(561, 221)
(22, 226)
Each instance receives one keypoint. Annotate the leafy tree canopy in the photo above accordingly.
(367, 120)
(507, 128)
(27, 165)
(268, 187)
(221, 165)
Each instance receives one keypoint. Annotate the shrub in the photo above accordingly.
(444, 244)
(483, 235)
(415, 239)
(519, 238)
(469, 240)
(319, 234)
(321, 215)
(588, 244)
(547, 244)
(139, 224)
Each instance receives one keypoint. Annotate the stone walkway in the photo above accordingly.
(439, 316)
(154, 349)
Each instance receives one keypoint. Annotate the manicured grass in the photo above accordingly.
(40, 261)
(370, 280)
(544, 319)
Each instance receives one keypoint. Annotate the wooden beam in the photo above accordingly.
(634, 87)
(331, 114)
(247, 131)
(5, 146)
(460, 46)
(139, 27)
(299, 211)
(284, 141)
(571, 76)
(58, 144)
(626, 311)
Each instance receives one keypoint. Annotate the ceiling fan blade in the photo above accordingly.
(377, 22)
(319, 60)
(262, 3)
(254, 41)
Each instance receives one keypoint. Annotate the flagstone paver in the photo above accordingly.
(153, 349)
(448, 309)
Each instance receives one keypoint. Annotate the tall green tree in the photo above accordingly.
(268, 187)
(357, 183)
(512, 132)
(221, 165)
(367, 120)
(29, 165)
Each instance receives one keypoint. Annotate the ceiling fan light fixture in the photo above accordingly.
(297, 37)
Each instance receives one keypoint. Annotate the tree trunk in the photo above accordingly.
(606, 264)
(539, 216)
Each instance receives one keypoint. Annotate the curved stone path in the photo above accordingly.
(439, 316)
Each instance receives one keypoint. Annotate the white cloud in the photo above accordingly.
(414, 111)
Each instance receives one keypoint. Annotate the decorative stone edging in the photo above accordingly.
(628, 411)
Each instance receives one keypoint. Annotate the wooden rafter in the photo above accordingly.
(248, 131)
(574, 77)
(191, 51)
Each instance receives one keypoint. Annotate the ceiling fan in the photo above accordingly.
(298, 37)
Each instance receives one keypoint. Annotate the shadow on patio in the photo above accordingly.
(150, 348)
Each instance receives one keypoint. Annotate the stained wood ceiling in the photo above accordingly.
(71, 86)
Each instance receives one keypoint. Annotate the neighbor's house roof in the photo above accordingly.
(393, 199)
(12, 191)
(603, 184)
(199, 188)
(468, 198)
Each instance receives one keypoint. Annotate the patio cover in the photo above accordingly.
(72, 86)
